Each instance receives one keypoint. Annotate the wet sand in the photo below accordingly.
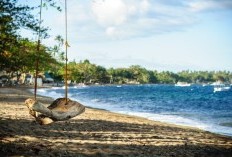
(98, 133)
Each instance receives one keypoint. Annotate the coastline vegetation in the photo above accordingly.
(88, 73)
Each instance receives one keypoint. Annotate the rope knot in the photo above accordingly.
(66, 44)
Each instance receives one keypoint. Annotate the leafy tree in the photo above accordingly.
(101, 75)
(139, 74)
(167, 77)
(12, 18)
(184, 76)
(15, 16)
(122, 75)
(153, 76)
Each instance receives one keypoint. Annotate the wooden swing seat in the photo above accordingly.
(59, 110)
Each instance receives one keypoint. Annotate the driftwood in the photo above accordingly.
(59, 110)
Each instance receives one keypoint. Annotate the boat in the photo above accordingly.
(80, 85)
(182, 84)
(205, 84)
(220, 88)
(216, 83)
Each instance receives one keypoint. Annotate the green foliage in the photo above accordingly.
(85, 72)
(14, 17)
(18, 54)
(22, 57)
(88, 73)
(167, 77)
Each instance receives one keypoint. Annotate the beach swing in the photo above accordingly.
(62, 108)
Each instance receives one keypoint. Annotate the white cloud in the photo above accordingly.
(119, 18)
(132, 10)
(202, 5)
(133, 18)
(199, 5)
(109, 12)
(144, 6)
(124, 19)
(111, 31)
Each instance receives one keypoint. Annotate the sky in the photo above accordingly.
(172, 35)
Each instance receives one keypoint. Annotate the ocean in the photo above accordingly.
(195, 106)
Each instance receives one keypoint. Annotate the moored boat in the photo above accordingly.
(221, 87)
(182, 84)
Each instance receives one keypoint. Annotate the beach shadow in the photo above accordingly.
(73, 128)
(81, 137)
(21, 148)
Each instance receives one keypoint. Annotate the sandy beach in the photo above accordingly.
(98, 133)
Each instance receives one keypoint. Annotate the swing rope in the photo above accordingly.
(38, 51)
(66, 52)
(61, 108)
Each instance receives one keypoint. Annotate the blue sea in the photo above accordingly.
(196, 105)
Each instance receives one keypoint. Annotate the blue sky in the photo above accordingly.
(170, 35)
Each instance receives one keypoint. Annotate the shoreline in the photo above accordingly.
(99, 132)
(185, 122)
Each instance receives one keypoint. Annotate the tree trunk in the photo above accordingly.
(59, 110)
